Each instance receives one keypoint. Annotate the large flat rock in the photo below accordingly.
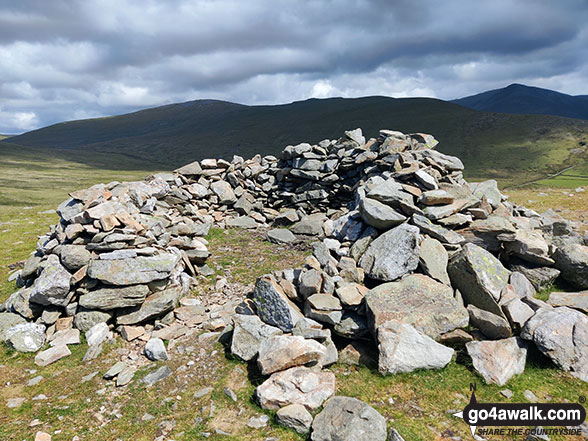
(498, 360)
(133, 271)
(418, 300)
(154, 306)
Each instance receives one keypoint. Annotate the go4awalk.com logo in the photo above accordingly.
(509, 418)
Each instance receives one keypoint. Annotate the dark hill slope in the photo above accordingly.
(521, 99)
(490, 144)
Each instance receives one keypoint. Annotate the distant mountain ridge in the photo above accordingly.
(521, 99)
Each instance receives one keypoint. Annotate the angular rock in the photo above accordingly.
(404, 349)
(53, 284)
(574, 300)
(541, 277)
(393, 254)
(348, 419)
(433, 260)
(161, 373)
(297, 385)
(52, 355)
(281, 236)
(351, 294)
(436, 197)
(273, 306)
(125, 376)
(310, 226)
(529, 246)
(65, 337)
(97, 334)
(562, 335)
(352, 325)
(379, 215)
(244, 222)
(113, 298)
(85, 319)
(135, 271)
(295, 417)
(73, 257)
(491, 325)
(324, 308)
(224, 192)
(521, 285)
(26, 337)
(479, 276)
(155, 350)
(418, 300)
(8, 320)
(442, 234)
(154, 306)
(497, 361)
(248, 334)
(282, 352)
(310, 283)
(518, 313)
(489, 190)
(572, 261)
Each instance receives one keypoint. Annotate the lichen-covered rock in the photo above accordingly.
(154, 306)
(479, 276)
(418, 300)
(248, 334)
(273, 306)
(53, 284)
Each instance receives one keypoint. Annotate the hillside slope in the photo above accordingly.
(521, 99)
(509, 147)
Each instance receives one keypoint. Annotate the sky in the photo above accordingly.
(65, 59)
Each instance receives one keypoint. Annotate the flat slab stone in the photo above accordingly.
(154, 306)
(575, 300)
(282, 352)
(52, 355)
(418, 300)
(114, 298)
(52, 285)
(281, 236)
(248, 334)
(297, 385)
(139, 270)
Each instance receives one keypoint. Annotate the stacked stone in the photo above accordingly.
(408, 253)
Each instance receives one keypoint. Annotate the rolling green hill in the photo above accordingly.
(521, 99)
(513, 148)
(4, 136)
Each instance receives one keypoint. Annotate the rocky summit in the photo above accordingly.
(405, 255)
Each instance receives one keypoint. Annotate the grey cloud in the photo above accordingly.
(68, 59)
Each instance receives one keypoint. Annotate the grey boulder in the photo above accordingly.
(572, 261)
(348, 419)
(404, 349)
(479, 276)
(498, 360)
(52, 285)
(248, 334)
(418, 300)
(393, 254)
(26, 337)
(562, 335)
(113, 298)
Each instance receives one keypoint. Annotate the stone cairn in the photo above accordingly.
(406, 254)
